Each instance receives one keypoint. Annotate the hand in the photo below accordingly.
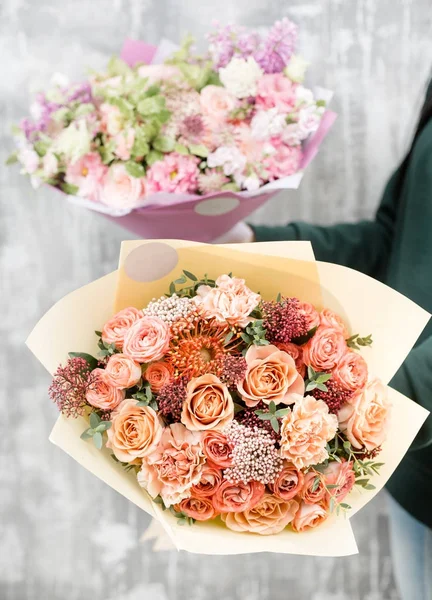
(239, 234)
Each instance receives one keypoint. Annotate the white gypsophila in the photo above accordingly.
(240, 76)
(308, 121)
(229, 158)
(304, 95)
(267, 123)
(74, 141)
(296, 68)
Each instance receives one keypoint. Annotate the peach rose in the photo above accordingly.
(208, 404)
(328, 318)
(297, 353)
(200, 509)
(174, 466)
(342, 475)
(147, 340)
(217, 449)
(309, 516)
(135, 431)
(236, 497)
(365, 419)
(115, 329)
(325, 349)
(313, 493)
(351, 372)
(159, 374)
(211, 479)
(102, 394)
(305, 432)
(122, 190)
(310, 313)
(288, 483)
(122, 372)
(270, 516)
(217, 103)
(271, 376)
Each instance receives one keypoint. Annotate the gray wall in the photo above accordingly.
(63, 534)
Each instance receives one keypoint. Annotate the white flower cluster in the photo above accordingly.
(169, 309)
(240, 76)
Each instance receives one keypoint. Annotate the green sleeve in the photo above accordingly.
(364, 246)
(414, 379)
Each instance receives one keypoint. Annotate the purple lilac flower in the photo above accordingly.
(231, 41)
(278, 48)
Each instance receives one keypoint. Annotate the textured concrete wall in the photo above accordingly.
(63, 534)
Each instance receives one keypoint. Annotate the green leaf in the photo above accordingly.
(151, 106)
(302, 339)
(164, 144)
(103, 426)
(153, 156)
(230, 187)
(320, 103)
(163, 116)
(345, 506)
(90, 360)
(86, 435)
(116, 66)
(323, 377)
(97, 440)
(264, 416)
(282, 412)
(141, 146)
(199, 150)
(228, 337)
(69, 188)
(238, 408)
(12, 158)
(315, 484)
(332, 486)
(149, 394)
(94, 420)
(275, 424)
(322, 387)
(134, 169)
(153, 90)
(369, 486)
(272, 406)
(279, 297)
(181, 149)
(180, 281)
(98, 333)
(125, 107)
(172, 288)
(190, 275)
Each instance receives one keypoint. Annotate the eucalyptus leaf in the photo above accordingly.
(190, 275)
(94, 420)
(97, 440)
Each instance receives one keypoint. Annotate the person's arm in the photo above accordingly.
(364, 246)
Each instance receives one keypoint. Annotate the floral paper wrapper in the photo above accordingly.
(200, 218)
(144, 271)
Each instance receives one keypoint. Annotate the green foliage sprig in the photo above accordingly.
(355, 341)
(273, 414)
(316, 380)
(96, 430)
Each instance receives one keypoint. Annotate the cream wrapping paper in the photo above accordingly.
(372, 308)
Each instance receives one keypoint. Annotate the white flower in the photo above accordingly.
(308, 121)
(296, 68)
(251, 183)
(240, 76)
(304, 95)
(35, 181)
(229, 158)
(267, 123)
(28, 158)
(36, 110)
(74, 141)
(50, 165)
(292, 135)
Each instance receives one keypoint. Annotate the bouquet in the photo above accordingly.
(236, 411)
(166, 139)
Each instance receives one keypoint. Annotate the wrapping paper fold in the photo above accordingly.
(288, 266)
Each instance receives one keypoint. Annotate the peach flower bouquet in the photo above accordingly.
(240, 414)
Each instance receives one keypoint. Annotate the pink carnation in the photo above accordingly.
(284, 162)
(87, 174)
(276, 90)
(122, 190)
(175, 173)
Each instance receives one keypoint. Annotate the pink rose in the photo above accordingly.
(340, 474)
(159, 374)
(217, 103)
(351, 372)
(174, 173)
(174, 466)
(124, 142)
(102, 394)
(305, 432)
(147, 340)
(328, 318)
(310, 313)
(112, 119)
(115, 329)
(276, 90)
(208, 404)
(155, 73)
(217, 449)
(236, 497)
(121, 190)
(135, 431)
(288, 483)
(325, 349)
(122, 372)
(200, 509)
(271, 376)
(270, 516)
(314, 490)
(87, 173)
(285, 161)
(365, 419)
(211, 479)
(309, 516)
(297, 353)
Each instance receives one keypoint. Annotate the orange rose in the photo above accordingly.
(211, 479)
(236, 497)
(342, 475)
(102, 394)
(122, 372)
(270, 516)
(328, 318)
(325, 349)
(200, 509)
(305, 432)
(271, 376)
(135, 431)
(311, 315)
(309, 516)
(313, 492)
(115, 329)
(288, 483)
(351, 372)
(365, 419)
(217, 449)
(297, 353)
(159, 374)
(208, 404)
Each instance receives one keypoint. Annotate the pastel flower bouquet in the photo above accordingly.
(208, 403)
(166, 140)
